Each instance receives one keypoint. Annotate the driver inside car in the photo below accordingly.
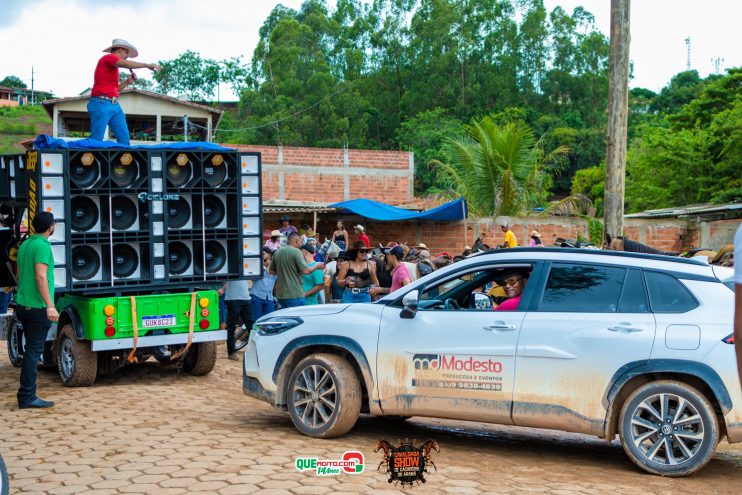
(513, 282)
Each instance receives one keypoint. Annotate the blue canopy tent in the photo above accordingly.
(447, 212)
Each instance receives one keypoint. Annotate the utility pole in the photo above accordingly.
(618, 110)
(185, 128)
(33, 97)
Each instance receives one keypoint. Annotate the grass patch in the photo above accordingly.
(20, 123)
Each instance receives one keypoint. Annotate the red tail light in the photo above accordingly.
(204, 324)
(729, 339)
(110, 331)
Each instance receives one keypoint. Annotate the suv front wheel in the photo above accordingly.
(668, 428)
(324, 396)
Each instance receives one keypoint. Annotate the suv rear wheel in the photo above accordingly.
(324, 396)
(668, 428)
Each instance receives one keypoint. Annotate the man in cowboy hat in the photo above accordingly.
(274, 243)
(103, 106)
(361, 232)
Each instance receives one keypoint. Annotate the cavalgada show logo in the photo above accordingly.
(407, 464)
(351, 462)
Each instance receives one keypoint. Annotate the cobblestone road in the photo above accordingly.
(148, 429)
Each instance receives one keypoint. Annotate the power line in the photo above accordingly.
(347, 85)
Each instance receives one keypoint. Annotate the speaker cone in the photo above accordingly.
(125, 260)
(216, 257)
(178, 213)
(85, 262)
(85, 174)
(123, 212)
(214, 211)
(180, 258)
(84, 213)
(215, 175)
(124, 174)
(179, 172)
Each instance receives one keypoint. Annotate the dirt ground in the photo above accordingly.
(149, 429)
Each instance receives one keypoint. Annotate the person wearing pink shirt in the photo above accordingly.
(514, 285)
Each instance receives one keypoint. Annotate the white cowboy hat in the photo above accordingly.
(119, 43)
(359, 227)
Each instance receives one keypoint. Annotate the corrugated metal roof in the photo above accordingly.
(682, 211)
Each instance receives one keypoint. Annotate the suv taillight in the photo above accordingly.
(729, 339)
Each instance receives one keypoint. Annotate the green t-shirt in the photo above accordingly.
(35, 249)
(289, 264)
(314, 278)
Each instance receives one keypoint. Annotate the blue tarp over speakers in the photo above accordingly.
(447, 212)
(45, 142)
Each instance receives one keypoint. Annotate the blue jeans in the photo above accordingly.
(4, 300)
(357, 297)
(35, 327)
(104, 113)
(261, 307)
(292, 303)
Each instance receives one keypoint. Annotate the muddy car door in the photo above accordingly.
(586, 322)
(453, 356)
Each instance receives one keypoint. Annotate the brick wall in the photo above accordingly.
(665, 234)
(326, 175)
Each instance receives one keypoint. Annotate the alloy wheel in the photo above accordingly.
(315, 396)
(667, 429)
(67, 358)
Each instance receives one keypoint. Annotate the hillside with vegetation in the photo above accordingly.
(21, 123)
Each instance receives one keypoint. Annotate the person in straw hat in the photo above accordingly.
(103, 107)
(535, 240)
(274, 243)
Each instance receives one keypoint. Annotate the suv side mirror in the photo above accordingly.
(482, 301)
(410, 301)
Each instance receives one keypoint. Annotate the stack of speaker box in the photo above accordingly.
(13, 180)
(131, 219)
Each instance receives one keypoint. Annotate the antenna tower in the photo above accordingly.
(716, 62)
(687, 60)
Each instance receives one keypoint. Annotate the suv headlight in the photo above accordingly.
(276, 325)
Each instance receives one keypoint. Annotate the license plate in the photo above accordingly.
(158, 321)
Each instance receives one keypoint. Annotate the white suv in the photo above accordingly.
(602, 343)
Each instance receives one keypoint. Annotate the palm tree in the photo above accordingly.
(498, 169)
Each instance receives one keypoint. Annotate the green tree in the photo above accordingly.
(425, 134)
(188, 75)
(13, 82)
(498, 169)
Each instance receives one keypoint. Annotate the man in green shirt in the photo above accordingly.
(288, 263)
(35, 299)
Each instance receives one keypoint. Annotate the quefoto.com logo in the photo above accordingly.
(350, 463)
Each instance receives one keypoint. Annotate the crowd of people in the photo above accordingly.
(300, 271)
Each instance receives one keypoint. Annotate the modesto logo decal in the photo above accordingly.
(469, 372)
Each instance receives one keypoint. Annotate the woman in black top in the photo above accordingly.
(340, 236)
(358, 276)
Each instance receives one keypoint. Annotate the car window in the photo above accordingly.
(579, 288)
(475, 290)
(634, 296)
(668, 294)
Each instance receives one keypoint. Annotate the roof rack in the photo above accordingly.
(600, 252)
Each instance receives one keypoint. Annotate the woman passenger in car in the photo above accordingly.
(513, 284)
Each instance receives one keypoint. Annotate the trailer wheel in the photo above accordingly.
(14, 346)
(77, 363)
(200, 358)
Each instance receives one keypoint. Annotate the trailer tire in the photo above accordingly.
(200, 359)
(76, 362)
(14, 354)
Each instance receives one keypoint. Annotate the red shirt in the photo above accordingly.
(363, 237)
(399, 275)
(106, 77)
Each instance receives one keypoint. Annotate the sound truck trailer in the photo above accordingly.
(144, 234)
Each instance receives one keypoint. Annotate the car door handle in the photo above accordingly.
(500, 326)
(627, 328)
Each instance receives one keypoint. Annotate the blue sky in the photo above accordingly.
(63, 39)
